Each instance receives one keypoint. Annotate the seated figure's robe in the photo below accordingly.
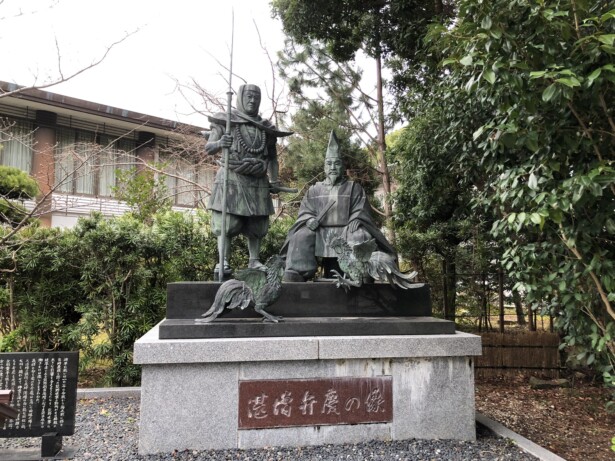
(304, 245)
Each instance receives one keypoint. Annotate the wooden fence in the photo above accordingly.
(530, 353)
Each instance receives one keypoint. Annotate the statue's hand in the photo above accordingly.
(353, 226)
(274, 187)
(225, 141)
(213, 147)
(312, 224)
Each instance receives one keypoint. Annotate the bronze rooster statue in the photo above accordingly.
(362, 261)
(250, 287)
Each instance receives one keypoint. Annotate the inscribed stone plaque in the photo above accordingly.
(315, 402)
(44, 389)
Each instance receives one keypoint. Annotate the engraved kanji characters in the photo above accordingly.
(282, 405)
(307, 404)
(344, 401)
(257, 408)
(331, 403)
(374, 401)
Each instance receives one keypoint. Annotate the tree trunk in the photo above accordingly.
(12, 325)
(445, 306)
(382, 161)
(531, 318)
(449, 284)
(501, 298)
(518, 308)
(485, 313)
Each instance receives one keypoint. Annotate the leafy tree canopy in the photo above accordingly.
(379, 27)
(525, 90)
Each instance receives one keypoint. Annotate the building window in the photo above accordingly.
(87, 163)
(16, 144)
(119, 154)
(189, 173)
(188, 184)
(206, 178)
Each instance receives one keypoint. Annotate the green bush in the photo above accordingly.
(40, 277)
(16, 184)
(126, 265)
(100, 286)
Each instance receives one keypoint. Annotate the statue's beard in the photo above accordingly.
(333, 176)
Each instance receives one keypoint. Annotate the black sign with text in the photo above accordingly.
(44, 386)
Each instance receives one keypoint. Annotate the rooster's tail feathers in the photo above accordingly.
(232, 294)
(382, 267)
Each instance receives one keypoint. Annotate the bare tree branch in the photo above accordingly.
(65, 78)
(226, 68)
(271, 95)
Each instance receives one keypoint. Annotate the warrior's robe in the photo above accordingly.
(248, 192)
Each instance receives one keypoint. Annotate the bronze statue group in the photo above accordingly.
(334, 226)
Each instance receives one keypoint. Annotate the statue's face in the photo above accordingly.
(334, 168)
(251, 102)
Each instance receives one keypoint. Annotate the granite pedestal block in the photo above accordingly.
(190, 387)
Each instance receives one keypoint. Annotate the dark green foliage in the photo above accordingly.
(549, 150)
(524, 95)
(275, 238)
(189, 242)
(12, 213)
(126, 267)
(434, 191)
(434, 214)
(390, 27)
(16, 184)
(144, 192)
(40, 279)
(102, 285)
(122, 275)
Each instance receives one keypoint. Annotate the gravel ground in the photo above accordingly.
(108, 429)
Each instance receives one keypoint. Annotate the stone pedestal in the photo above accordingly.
(190, 387)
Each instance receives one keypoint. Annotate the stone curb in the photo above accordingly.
(526, 445)
(105, 392)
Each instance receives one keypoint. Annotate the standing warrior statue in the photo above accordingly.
(252, 175)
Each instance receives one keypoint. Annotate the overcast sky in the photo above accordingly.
(174, 41)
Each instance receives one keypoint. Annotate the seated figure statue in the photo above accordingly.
(333, 208)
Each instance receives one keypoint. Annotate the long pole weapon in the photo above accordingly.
(229, 96)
